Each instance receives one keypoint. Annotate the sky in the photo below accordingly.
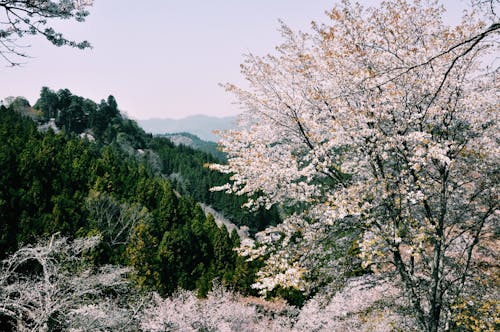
(164, 58)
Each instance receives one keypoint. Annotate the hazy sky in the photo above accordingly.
(164, 58)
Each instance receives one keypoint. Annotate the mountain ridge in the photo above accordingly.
(196, 143)
(199, 125)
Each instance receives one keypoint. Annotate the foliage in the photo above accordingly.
(76, 114)
(384, 122)
(20, 18)
(364, 304)
(51, 286)
(480, 311)
(63, 183)
(185, 165)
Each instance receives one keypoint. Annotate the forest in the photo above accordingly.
(98, 174)
(361, 187)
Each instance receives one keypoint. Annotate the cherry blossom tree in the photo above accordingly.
(108, 314)
(365, 304)
(382, 125)
(220, 311)
(50, 285)
(20, 18)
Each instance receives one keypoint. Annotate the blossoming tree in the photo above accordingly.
(50, 286)
(21, 18)
(379, 128)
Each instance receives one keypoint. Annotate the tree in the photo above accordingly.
(364, 304)
(220, 311)
(17, 103)
(114, 222)
(20, 18)
(46, 285)
(47, 103)
(142, 255)
(383, 122)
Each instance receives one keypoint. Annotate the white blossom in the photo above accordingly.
(381, 123)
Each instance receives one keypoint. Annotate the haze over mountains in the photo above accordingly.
(199, 125)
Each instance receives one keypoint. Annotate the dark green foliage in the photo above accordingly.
(57, 182)
(244, 272)
(45, 182)
(106, 125)
(196, 180)
(48, 103)
(14, 133)
(76, 114)
(291, 295)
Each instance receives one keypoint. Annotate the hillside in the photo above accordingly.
(196, 143)
(101, 174)
(184, 165)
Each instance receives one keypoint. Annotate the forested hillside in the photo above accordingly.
(185, 166)
(110, 183)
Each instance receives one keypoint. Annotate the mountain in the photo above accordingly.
(195, 142)
(91, 171)
(199, 125)
(181, 160)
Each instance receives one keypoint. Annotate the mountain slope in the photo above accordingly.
(196, 143)
(60, 183)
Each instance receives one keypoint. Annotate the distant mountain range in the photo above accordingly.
(199, 125)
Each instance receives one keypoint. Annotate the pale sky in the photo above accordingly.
(164, 58)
